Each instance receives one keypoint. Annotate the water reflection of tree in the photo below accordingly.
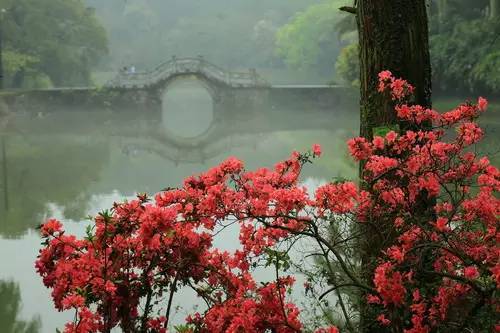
(47, 169)
(10, 306)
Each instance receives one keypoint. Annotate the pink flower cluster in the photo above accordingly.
(141, 252)
(439, 199)
(442, 200)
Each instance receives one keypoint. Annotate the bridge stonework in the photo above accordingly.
(143, 91)
(228, 89)
(176, 67)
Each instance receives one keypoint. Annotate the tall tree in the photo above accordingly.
(393, 35)
(442, 8)
(310, 41)
(494, 9)
(55, 42)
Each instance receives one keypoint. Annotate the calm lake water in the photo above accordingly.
(73, 164)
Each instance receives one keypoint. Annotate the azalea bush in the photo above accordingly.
(424, 193)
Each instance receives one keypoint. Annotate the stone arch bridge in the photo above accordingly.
(219, 82)
(178, 67)
(143, 91)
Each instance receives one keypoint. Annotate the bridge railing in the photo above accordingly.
(177, 66)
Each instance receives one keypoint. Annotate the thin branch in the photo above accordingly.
(334, 288)
(173, 289)
(147, 309)
(319, 238)
(457, 278)
(282, 303)
(339, 295)
(349, 9)
(144, 320)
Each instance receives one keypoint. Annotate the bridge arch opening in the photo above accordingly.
(187, 107)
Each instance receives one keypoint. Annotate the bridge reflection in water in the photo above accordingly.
(74, 163)
(190, 126)
(68, 152)
(187, 108)
(224, 134)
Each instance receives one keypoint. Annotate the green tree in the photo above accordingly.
(59, 41)
(464, 47)
(311, 40)
(235, 34)
(466, 58)
(347, 64)
(494, 9)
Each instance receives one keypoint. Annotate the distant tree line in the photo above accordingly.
(465, 45)
(464, 40)
(235, 34)
(50, 42)
(61, 42)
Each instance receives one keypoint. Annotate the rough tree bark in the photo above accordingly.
(393, 35)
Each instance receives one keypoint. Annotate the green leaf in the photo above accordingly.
(383, 130)
(183, 328)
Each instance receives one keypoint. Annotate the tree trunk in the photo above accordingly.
(18, 78)
(494, 9)
(5, 177)
(442, 11)
(393, 35)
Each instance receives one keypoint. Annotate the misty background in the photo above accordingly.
(81, 43)
(75, 161)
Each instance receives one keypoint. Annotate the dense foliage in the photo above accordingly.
(237, 34)
(347, 64)
(438, 271)
(463, 36)
(465, 47)
(44, 39)
(50, 42)
(308, 41)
